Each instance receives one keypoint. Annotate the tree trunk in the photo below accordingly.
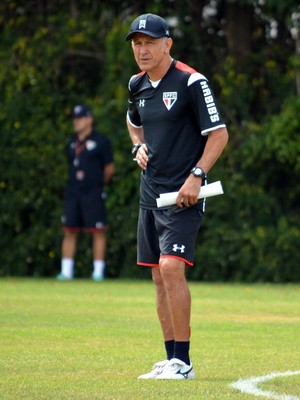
(238, 30)
(196, 11)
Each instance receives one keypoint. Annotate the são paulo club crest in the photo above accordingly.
(169, 99)
(91, 144)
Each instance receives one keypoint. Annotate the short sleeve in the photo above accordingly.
(204, 104)
(132, 112)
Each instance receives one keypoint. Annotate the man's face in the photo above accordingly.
(149, 52)
(81, 124)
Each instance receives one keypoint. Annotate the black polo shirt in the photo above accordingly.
(176, 116)
(87, 160)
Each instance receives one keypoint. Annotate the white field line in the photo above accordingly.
(250, 386)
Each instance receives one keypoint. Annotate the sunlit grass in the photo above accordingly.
(81, 340)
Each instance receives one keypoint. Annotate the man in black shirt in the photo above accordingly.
(178, 134)
(91, 166)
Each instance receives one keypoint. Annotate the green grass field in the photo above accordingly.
(82, 340)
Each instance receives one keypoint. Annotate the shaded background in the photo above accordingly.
(55, 54)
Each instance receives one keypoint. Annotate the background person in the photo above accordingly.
(178, 135)
(91, 166)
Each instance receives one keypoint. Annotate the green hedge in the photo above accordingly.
(251, 233)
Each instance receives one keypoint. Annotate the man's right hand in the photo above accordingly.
(142, 156)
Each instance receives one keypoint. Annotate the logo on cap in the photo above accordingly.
(142, 23)
(82, 111)
(78, 109)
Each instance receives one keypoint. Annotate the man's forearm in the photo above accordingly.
(136, 133)
(214, 147)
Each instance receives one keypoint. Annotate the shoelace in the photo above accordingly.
(173, 367)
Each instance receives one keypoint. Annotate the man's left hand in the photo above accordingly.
(189, 192)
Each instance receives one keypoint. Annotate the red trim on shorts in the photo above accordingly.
(103, 228)
(188, 263)
(68, 228)
(147, 264)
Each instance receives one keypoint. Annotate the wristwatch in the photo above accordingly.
(198, 173)
(135, 148)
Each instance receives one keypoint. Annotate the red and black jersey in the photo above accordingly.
(87, 160)
(177, 114)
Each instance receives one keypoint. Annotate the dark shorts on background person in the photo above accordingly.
(167, 233)
(84, 210)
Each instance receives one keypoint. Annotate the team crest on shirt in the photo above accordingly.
(91, 144)
(169, 99)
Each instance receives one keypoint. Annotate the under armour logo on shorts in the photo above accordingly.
(176, 247)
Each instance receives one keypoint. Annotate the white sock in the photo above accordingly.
(99, 266)
(67, 267)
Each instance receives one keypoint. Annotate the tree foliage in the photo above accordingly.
(60, 53)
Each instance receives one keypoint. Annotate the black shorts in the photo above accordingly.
(84, 210)
(167, 233)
